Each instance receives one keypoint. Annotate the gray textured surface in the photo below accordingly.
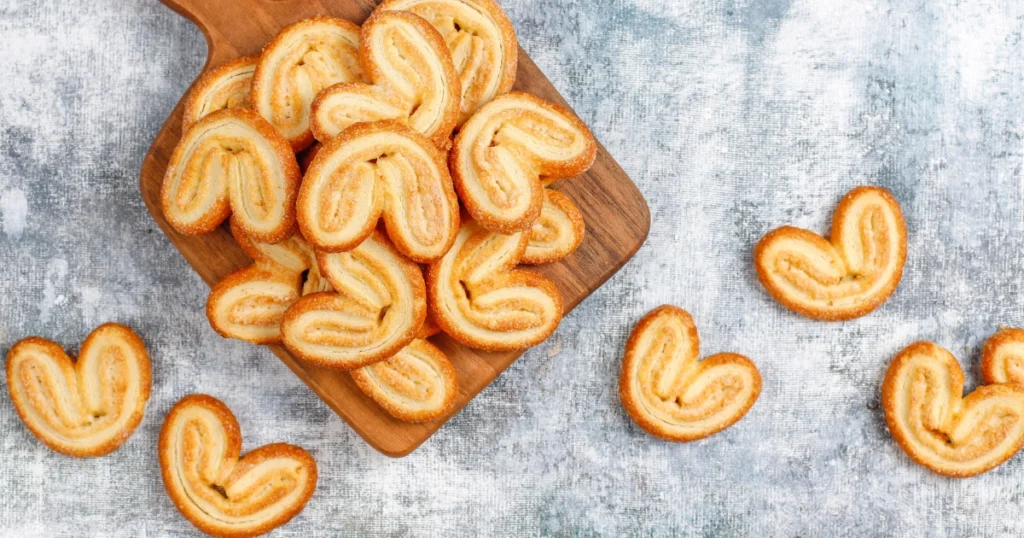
(733, 117)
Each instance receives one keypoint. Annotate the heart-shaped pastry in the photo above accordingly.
(417, 384)
(558, 231)
(82, 408)
(412, 80)
(481, 41)
(849, 275)
(479, 299)
(373, 170)
(226, 86)
(378, 304)
(293, 254)
(501, 153)
(936, 426)
(232, 162)
(1002, 358)
(221, 493)
(301, 61)
(672, 395)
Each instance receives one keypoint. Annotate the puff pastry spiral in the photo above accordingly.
(373, 170)
(849, 275)
(299, 63)
(672, 395)
(226, 86)
(501, 153)
(232, 162)
(1002, 358)
(412, 80)
(479, 299)
(378, 304)
(221, 493)
(481, 40)
(558, 231)
(418, 384)
(937, 426)
(82, 408)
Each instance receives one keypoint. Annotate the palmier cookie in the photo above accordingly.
(249, 303)
(672, 395)
(300, 62)
(232, 162)
(375, 169)
(558, 231)
(936, 426)
(417, 384)
(849, 275)
(501, 153)
(219, 492)
(479, 299)
(376, 308)
(226, 86)
(481, 41)
(82, 408)
(1002, 358)
(412, 80)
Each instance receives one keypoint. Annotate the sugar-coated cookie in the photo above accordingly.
(671, 394)
(846, 276)
(85, 407)
(225, 86)
(417, 384)
(219, 492)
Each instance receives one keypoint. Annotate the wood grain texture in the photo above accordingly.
(616, 215)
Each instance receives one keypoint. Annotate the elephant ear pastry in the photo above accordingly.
(417, 384)
(847, 276)
(85, 407)
(219, 492)
(1002, 358)
(479, 298)
(671, 394)
(481, 41)
(226, 86)
(232, 162)
(300, 62)
(941, 429)
(374, 170)
(377, 307)
(557, 233)
(412, 81)
(502, 153)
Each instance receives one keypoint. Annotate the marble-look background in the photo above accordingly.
(733, 117)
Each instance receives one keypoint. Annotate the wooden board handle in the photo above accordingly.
(230, 26)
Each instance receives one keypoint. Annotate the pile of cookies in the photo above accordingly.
(393, 228)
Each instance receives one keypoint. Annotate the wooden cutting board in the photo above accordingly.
(615, 212)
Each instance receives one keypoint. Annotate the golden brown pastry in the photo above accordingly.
(849, 275)
(232, 162)
(300, 62)
(249, 303)
(373, 170)
(482, 44)
(412, 80)
(418, 384)
(672, 395)
(1002, 358)
(219, 492)
(479, 299)
(82, 408)
(936, 426)
(226, 86)
(378, 305)
(501, 153)
(558, 231)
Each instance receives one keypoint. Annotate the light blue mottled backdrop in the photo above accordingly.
(733, 117)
